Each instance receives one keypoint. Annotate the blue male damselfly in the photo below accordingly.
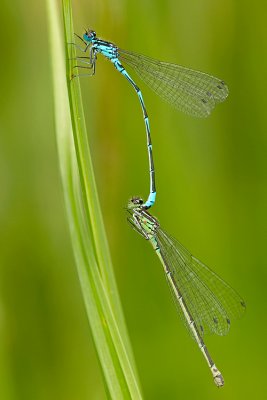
(193, 92)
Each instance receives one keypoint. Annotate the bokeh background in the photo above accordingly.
(211, 180)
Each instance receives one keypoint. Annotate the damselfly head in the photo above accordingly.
(89, 35)
(140, 220)
(135, 202)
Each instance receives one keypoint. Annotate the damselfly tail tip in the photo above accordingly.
(217, 376)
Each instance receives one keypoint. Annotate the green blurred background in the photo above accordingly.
(211, 178)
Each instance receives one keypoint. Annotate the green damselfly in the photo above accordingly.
(204, 301)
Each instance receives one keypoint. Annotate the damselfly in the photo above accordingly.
(204, 301)
(192, 92)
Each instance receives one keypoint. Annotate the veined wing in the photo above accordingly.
(192, 92)
(211, 302)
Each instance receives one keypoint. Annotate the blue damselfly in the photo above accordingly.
(192, 92)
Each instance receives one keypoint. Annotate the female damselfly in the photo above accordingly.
(204, 301)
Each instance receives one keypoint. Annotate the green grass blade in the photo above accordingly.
(85, 221)
(88, 184)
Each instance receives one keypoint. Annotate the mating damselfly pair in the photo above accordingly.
(205, 302)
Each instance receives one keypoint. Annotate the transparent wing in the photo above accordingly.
(211, 302)
(192, 92)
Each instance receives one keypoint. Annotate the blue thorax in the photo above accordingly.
(108, 49)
